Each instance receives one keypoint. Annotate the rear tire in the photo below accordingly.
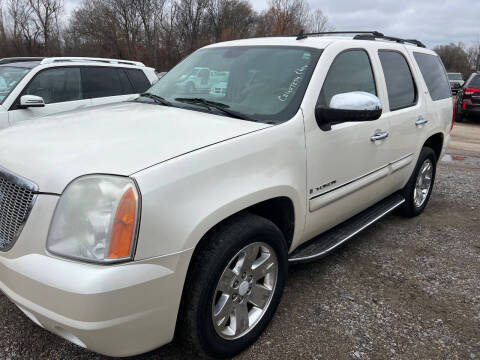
(221, 312)
(419, 187)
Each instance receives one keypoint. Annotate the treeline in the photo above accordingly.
(157, 32)
(460, 58)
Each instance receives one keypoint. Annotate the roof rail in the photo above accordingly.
(19, 59)
(303, 35)
(51, 60)
(362, 35)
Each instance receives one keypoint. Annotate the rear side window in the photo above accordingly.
(126, 84)
(101, 82)
(56, 85)
(434, 74)
(139, 80)
(350, 71)
(400, 85)
(475, 82)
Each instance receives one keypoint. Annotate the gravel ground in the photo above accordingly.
(403, 289)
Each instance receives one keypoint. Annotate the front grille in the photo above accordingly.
(16, 200)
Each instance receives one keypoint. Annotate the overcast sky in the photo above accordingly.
(433, 22)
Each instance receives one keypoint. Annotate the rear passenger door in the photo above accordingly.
(105, 85)
(60, 88)
(405, 110)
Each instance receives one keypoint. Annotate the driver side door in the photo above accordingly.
(346, 167)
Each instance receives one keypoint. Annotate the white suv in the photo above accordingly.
(121, 224)
(36, 87)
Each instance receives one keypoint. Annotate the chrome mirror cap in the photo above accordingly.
(355, 100)
(28, 101)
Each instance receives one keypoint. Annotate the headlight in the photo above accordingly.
(96, 219)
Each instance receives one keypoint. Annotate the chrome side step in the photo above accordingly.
(325, 243)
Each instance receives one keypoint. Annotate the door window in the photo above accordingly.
(101, 82)
(400, 85)
(56, 85)
(350, 71)
(435, 75)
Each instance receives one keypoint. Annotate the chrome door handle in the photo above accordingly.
(421, 121)
(379, 135)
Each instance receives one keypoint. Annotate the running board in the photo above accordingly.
(325, 243)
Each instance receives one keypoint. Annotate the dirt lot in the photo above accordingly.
(403, 289)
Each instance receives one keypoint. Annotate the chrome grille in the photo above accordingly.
(17, 196)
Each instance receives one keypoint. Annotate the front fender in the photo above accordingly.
(185, 197)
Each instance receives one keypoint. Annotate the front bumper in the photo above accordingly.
(117, 310)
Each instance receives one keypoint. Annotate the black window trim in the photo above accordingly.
(333, 61)
(415, 87)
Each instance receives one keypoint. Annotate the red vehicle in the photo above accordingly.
(468, 99)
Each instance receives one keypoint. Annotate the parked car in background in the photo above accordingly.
(122, 225)
(468, 99)
(36, 87)
(456, 82)
(201, 80)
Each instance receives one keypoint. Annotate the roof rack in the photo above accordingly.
(362, 35)
(51, 60)
(19, 59)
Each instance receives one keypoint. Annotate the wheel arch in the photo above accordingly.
(435, 142)
(280, 210)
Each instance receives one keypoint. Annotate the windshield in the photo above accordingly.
(264, 83)
(455, 76)
(9, 78)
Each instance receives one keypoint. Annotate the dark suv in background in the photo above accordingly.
(468, 99)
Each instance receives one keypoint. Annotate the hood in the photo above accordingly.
(114, 139)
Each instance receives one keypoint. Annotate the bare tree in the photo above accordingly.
(473, 54)
(24, 33)
(230, 19)
(284, 17)
(455, 58)
(318, 22)
(45, 15)
(157, 32)
(190, 22)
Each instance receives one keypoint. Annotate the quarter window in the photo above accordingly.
(435, 75)
(400, 85)
(139, 80)
(350, 71)
(57, 85)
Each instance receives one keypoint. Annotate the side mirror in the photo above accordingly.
(353, 106)
(29, 101)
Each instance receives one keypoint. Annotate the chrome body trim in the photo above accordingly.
(361, 177)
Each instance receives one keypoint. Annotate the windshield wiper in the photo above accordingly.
(157, 99)
(215, 105)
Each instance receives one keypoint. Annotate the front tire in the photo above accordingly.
(233, 286)
(419, 187)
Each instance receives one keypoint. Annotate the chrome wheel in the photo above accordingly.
(244, 290)
(423, 183)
